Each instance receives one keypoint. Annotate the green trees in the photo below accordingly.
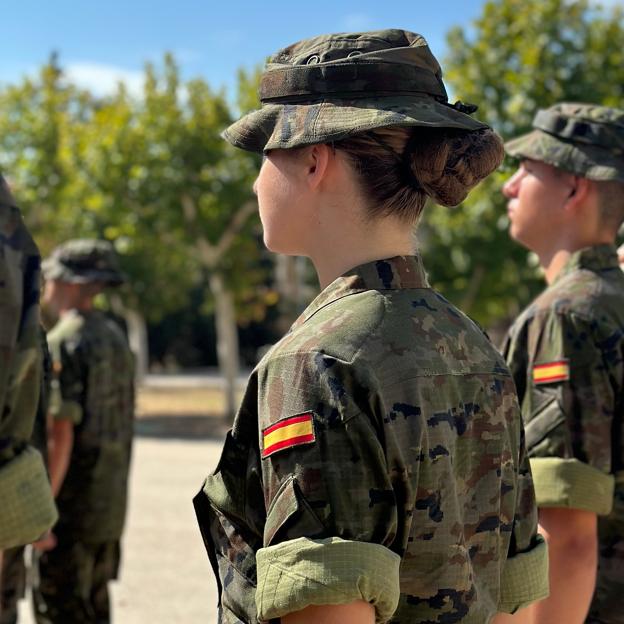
(153, 176)
(519, 55)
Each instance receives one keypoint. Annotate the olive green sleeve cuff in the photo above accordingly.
(68, 410)
(572, 484)
(303, 572)
(525, 578)
(28, 508)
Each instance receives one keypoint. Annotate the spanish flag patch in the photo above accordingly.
(551, 372)
(288, 432)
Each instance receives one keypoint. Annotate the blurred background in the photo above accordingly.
(110, 115)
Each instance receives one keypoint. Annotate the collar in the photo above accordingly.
(395, 273)
(598, 258)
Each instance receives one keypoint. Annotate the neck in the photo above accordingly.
(84, 305)
(553, 263)
(552, 260)
(341, 251)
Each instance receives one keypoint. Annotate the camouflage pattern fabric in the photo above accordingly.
(13, 574)
(13, 583)
(84, 260)
(379, 444)
(574, 422)
(73, 586)
(28, 508)
(93, 384)
(584, 139)
(329, 87)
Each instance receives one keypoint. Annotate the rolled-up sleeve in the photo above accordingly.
(68, 373)
(572, 484)
(302, 572)
(524, 576)
(569, 416)
(331, 508)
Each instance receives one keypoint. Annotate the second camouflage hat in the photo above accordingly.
(332, 86)
(585, 139)
(82, 261)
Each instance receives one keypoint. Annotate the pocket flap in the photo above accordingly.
(289, 509)
(547, 418)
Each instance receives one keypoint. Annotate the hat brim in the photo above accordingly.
(591, 162)
(54, 270)
(285, 126)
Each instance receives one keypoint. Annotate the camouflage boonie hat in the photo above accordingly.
(82, 261)
(332, 86)
(584, 139)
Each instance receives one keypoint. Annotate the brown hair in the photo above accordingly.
(611, 202)
(400, 167)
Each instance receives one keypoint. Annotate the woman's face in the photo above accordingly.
(282, 196)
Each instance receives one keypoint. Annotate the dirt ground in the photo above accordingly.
(166, 577)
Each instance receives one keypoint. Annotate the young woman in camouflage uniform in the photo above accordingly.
(376, 468)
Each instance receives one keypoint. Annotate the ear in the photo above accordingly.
(317, 162)
(580, 191)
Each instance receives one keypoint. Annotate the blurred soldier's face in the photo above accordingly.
(51, 293)
(537, 193)
(59, 296)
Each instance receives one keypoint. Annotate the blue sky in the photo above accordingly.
(100, 42)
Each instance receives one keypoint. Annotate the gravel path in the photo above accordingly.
(165, 577)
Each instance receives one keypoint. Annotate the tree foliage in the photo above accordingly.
(518, 56)
(150, 174)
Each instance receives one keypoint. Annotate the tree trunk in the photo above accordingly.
(137, 337)
(227, 340)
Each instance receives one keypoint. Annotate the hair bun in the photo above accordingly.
(448, 165)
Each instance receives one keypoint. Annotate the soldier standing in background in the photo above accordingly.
(566, 350)
(376, 469)
(92, 405)
(27, 508)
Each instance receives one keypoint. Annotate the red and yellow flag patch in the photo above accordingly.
(288, 432)
(551, 372)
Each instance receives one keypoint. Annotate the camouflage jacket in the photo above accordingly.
(27, 508)
(93, 385)
(566, 354)
(20, 354)
(378, 455)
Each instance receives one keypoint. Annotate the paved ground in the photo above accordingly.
(166, 577)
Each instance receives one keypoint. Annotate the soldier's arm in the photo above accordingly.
(524, 616)
(359, 612)
(60, 447)
(568, 408)
(65, 409)
(331, 508)
(572, 540)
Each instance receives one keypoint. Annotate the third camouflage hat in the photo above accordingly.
(82, 261)
(332, 86)
(585, 139)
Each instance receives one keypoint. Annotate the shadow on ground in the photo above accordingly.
(181, 427)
